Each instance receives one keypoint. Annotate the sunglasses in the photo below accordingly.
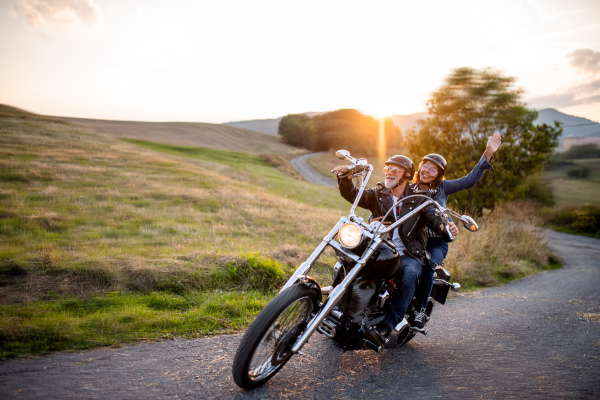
(393, 170)
(429, 168)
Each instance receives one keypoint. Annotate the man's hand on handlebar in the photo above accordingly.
(385, 223)
(341, 169)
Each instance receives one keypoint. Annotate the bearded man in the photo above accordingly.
(409, 238)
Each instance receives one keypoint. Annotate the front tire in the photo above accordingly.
(266, 346)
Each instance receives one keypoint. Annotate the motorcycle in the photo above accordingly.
(361, 289)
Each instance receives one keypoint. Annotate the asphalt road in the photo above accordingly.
(535, 338)
(301, 165)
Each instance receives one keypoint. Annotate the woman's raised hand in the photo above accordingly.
(493, 144)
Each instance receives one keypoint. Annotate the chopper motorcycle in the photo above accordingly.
(361, 288)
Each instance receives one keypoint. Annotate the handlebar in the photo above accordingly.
(359, 166)
(352, 170)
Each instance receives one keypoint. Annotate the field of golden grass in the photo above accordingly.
(105, 241)
(195, 134)
(72, 199)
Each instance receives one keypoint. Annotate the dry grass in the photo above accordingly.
(502, 249)
(77, 201)
(189, 134)
(77, 206)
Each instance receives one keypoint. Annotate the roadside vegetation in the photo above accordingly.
(575, 185)
(105, 241)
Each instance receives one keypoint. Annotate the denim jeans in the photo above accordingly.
(407, 277)
(438, 249)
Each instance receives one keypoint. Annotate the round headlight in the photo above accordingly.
(350, 235)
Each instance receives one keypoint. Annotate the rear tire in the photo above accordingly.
(266, 346)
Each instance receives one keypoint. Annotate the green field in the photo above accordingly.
(572, 191)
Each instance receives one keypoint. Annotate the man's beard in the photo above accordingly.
(390, 184)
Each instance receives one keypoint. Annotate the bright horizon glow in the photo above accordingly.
(234, 60)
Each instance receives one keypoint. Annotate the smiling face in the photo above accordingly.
(393, 174)
(428, 172)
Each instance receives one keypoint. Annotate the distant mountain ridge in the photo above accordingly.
(572, 126)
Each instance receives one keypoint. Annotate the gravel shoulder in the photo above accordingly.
(535, 338)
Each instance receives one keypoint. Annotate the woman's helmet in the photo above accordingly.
(404, 162)
(437, 160)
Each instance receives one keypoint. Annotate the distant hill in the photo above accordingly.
(405, 122)
(260, 125)
(189, 134)
(269, 126)
(572, 126)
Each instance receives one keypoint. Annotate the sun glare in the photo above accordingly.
(381, 145)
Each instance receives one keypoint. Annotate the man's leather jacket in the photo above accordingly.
(413, 232)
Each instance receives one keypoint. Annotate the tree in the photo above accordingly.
(342, 129)
(469, 107)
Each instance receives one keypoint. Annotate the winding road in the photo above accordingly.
(535, 338)
(301, 165)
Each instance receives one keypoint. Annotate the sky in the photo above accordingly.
(232, 60)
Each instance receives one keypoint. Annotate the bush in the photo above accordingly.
(252, 272)
(584, 220)
(582, 151)
(536, 189)
(583, 172)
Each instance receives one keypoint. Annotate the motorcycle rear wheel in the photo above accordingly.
(266, 346)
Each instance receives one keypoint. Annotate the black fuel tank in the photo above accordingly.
(384, 262)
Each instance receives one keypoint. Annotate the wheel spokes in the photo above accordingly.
(266, 357)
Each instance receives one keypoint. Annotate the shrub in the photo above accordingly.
(536, 189)
(583, 172)
(584, 220)
(252, 272)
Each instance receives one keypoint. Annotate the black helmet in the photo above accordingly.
(404, 162)
(437, 160)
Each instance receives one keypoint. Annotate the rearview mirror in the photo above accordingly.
(343, 154)
(469, 223)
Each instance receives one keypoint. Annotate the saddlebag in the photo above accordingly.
(439, 292)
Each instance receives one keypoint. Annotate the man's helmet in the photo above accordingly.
(437, 160)
(404, 162)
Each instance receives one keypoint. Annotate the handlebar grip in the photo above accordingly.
(346, 174)
(450, 235)
(354, 169)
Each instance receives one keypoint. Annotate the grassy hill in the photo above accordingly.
(189, 134)
(105, 241)
(85, 215)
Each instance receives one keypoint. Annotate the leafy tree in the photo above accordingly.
(342, 129)
(469, 107)
(295, 130)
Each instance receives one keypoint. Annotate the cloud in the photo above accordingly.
(585, 60)
(587, 93)
(61, 15)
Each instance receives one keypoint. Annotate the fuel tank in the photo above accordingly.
(384, 262)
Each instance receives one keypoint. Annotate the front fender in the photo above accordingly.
(309, 282)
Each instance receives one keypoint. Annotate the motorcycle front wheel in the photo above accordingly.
(266, 346)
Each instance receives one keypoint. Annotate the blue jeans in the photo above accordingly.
(438, 249)
(407, 277)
